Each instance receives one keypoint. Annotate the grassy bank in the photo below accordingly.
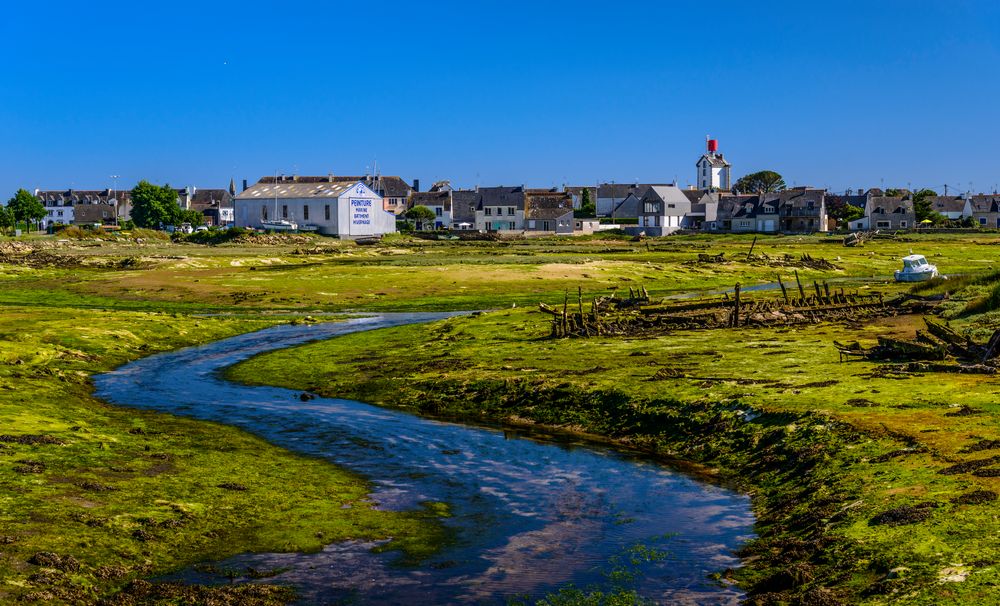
(95, 496)
(868, 487)
(834, 448)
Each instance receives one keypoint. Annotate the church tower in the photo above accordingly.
(713, 169)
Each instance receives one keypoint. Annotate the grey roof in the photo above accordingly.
(501, 196)
(431, 198)
(73, 197)
(985, 203)
(621, 190)
(716, 160)
(891, 205)
(801, 197)
(287, 189)
(667, 193)
(947, 204)
(627, 208)
(391, 186)
(211, 198)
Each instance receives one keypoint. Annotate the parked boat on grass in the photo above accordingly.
(916, 269)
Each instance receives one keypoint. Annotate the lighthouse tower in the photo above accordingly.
(713, 169)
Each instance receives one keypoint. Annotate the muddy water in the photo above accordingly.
(530, 514)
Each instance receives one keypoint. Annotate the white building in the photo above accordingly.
(344, 209)
(713, 169)
(664, 209)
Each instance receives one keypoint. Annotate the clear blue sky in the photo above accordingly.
(835, 94)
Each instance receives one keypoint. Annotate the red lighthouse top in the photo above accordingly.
(713, 145)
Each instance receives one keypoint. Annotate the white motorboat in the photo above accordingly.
(916, 269)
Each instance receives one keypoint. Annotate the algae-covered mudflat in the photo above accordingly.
(868, 486)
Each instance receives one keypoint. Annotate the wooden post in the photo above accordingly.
(565, 319)
(819, 295)
(784, 293)
(579, 300)
(802, 293)
(754, 243)
(736, 307)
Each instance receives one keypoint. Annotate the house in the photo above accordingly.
(664, 210)
(713, 170)
(628, 209)
(62, 206)
(609, 195)
(215, 204)
(755, 213)
(394, 191)
(586, 227)
(335, 207)
(803, 210)
(548, 211)
(463, 209)
(500, 209)
(890, 212)
(439, 201)
(704, 209)
(985, 210)
(951, 207)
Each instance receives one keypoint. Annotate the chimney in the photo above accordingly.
(329, 177)
(244, 185)
(416, 185)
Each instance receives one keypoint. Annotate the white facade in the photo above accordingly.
(713, 172)
(58, 214)
(346, 210)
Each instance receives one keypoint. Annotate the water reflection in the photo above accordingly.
(530, 515)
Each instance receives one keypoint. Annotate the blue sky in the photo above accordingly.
(835, 94)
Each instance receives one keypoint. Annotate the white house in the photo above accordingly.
(337, 208)
(713, 169)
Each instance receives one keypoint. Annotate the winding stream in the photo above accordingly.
(530, 514)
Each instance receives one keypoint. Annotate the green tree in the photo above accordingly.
(766, 181)
(922, 206)
(193, 217)
(154, 206)
(6, 219)
(588, 207)
(419, 214)
(26, 207)
(848, 213)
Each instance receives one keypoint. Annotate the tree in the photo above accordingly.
(153, 205)
(588, 208)
(6, 219)
(765, 181)
(922, 206)
(848, 213)
(193, 217)
(419, 213)
(26, 207)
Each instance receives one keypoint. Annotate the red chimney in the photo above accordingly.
(713, 145)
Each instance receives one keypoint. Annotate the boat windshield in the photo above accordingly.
(914, 261)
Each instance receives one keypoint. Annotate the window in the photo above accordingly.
(510, 211)
(902, 224)
(651, 207)
(512, 226)
(488, 211)
(545, 226)
(671, 206)
(327, 212)
(438, 211)
(882, 225)
(531, 224)
(284, 211)
(305, 212)
(982, 220)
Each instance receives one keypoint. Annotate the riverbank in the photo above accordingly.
(865, 486)
(96, 496)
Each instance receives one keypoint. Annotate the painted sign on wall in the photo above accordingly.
(361, 211)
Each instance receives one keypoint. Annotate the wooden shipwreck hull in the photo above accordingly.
(638, 315)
